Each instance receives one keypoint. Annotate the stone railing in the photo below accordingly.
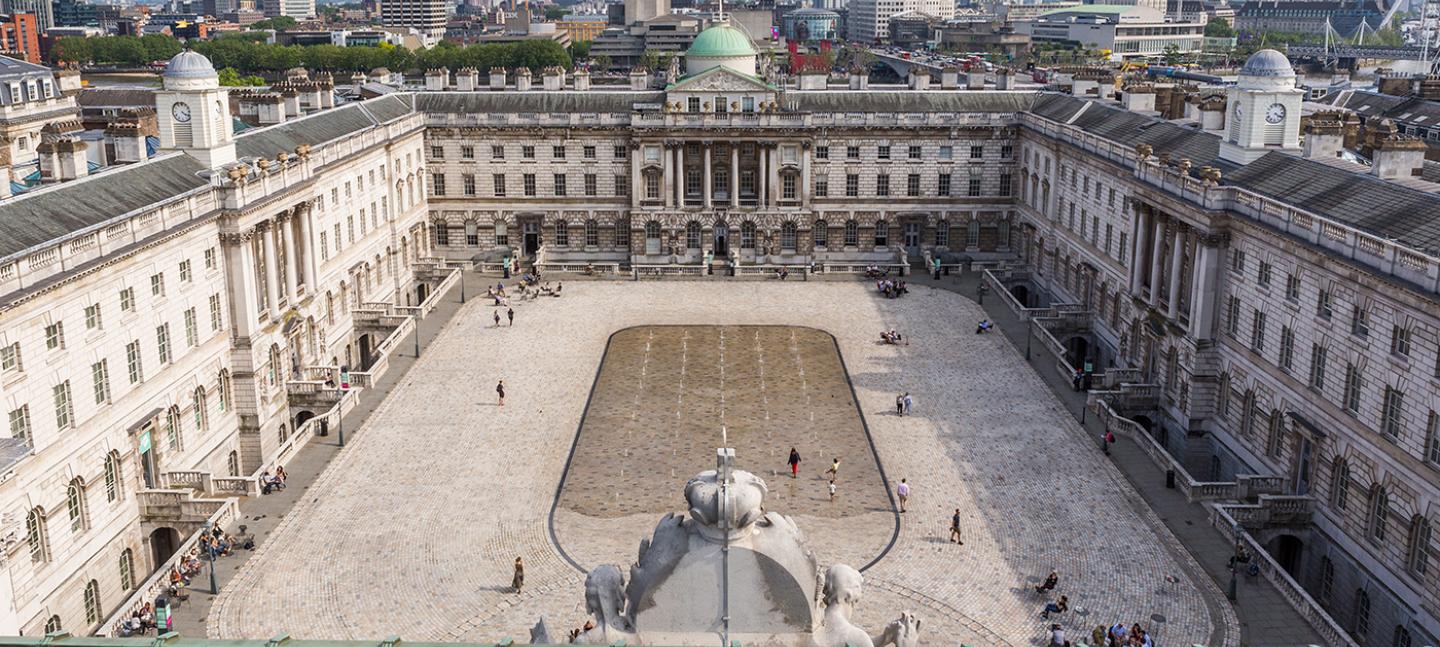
(225, 512)
(767, 270)
(638, 272)
(600, 268)
(186, 479)
(1291, 590)
(891, 269)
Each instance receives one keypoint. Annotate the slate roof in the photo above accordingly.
(12, 451)
(13, 66)
(594, 101)
(113, 97)
(906, 101)
(1120, 125)
(318, 128)
(43, 216)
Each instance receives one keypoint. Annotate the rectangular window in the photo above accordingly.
(588, 152)
(100, 378)
(787, 187)
(1324, 307)
(1237, 261)
(497, 152)
(1005, 184)
(1232, 317)
(822, 152)
(974, 191)
(1317, 366)
(592, 185)
(1264, 276)
(558, 152)
(1432, 439)
(914, 152)
(162, 343)
(882, 185)
(529, 181)
(1124, 248)
(157, 285)
(64, 409)
(1287, 348)
(210, 255)
(499, 180)
(1350, 399)
(20, 424)
(652, 187)
(10, 358)
(559, 185)
(1257, 332)
(1360, 322)
(912, 185)
(1007, 151)
(947, 152)
(185, 271)
(1400, 341)
(437, 152)
(466, 152)
(852, 185)
(977, 152)
(92, 317)
(215, 320)
(882, 152)
(1392, 412)
(944, 185)
(822, 188)
(467, 182)
(55, 336)
(437, 183)
(1292, 287)
(527, 152)
(192, 329)
(852, 152)
(1109, 232)
(622, 185)
(621, 152)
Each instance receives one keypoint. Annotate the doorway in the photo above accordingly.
(163, 544)
(365, 349)
(722, 235)
(1077, 350)
(1021, 294)
(912, 238)
(146, 453)
(1301, 485)
(421, 291)
(531, 231)
(1287, 550)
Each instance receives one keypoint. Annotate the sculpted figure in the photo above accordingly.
(901, 632)
(842, 593)
(605, 600)
(540, 634)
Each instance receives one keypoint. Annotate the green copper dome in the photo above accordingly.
(720, 41)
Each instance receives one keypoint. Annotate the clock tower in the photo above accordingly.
(1264, 109)
(194, 111)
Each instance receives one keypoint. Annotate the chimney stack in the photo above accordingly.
(63, 159)
(859, 78)
(1139, 97)
(553, 78)
(975, 79)
(639, 79)
(813, 79)
(1004, 80)
(522, 79)
(326, 82)
(919, 78)
(950, 78)
(129, 141)
(467, 79)
(497, 78)
(1324, 136)
(1398, 157)
(269, 108)
(437, 79)
(582, 80)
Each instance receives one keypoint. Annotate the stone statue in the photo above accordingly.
(605, 601)
(842, 593)
(540, 634)
(672, 73)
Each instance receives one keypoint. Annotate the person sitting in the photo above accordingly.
(280, 474)
(983, 327)
(558, 288)
(1059, 606)
(589, 270)
(901, 289)
(1050, 581)
(265, 482)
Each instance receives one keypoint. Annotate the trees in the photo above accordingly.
(579, 49)
(554, 13)
(1172, 54)
(278, 23)
(230, 77)
(1219, 28)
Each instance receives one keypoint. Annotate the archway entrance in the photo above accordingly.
(163, 543)
(421, 291)
(365, 350)
(1021, 294)
(1077, 350)
(722, 239)
(1287, 550)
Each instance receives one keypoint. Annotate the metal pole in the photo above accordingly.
(1231, 592)
(417, 335)
(340, 420)
(1029, 334)
(462, 285)
(214, 588)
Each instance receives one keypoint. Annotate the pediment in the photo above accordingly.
(720, 79)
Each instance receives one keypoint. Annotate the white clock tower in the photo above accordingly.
(1264, 109)
(194, 111)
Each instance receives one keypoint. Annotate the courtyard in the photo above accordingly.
(412, 529)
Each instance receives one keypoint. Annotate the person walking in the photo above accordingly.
(955, 528)
(497, 315)
(794, 462)
(518, 582)
(900, 405)
(908, 403)
(832, 490)
(902, 491)
(500, 391)
(509, 312)
(834, 470)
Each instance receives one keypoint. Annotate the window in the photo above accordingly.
(559, 185)
(162, 343)
(787, 236)
(1257, 331)
(1005, 184)
(882, 185)
(652, 186)
(912, 185)
(1402, 637)
(39, 543)
(822, 152)
(977, 152)
(558, 152)
(1292, 287)
(1007, 152)
(1340, 484)
(852, 185)
(92, 317)
(944, 188)
(1237, 261)
(100, 379)
(787, 186)
(562, 233)
(747, 235)
(972, 234)
(1360, 322)
(215, 320)
(1353, 384)
(588, 152)
(1362, 614)
(1324, 308)
(621, 152)
(172, 427)
(947, 152)
(1264, 277)
(437, 152)
(1317, 366)
(133, 362)
(852, 233)
(53, 624)
(10, 358)
(592, 233)
(1417, 557)
(942, 233)
(1378, 512)
(185, 271)
(882, 151)
(852, 152)
(499, 180)
(202, 421)
(693, 105)
(222, 389)
(1287, 348)
(592, 185)
(55, 336)
(1222, 403)
(1274, 437)
(497, 152)
(437, 186)
(112, 478)
(822, 187)
(529, 180)
(192, 335)
(882, 233)
(64, 408)
(1392, 412)
(1400, 341)
(622, 185)
(975, 180)
(20, 424)
(467, 183)
(127, 569)
(527, 152)
(75, 505)
(821, 233)
(157, 285)
(1232, 317)
(692, 235)
(466, 152)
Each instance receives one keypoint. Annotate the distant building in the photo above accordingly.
(41, 9)
(983, 36)
(1307, 16)
(583, 28)
(425, 17)
(913, 30)
(21, 35)
(625, 45)
(637, 11)
(31, 98)
(810, 25)
(1126, 30)
(869, 20)
(298, 9)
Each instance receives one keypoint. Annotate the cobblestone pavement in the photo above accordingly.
(413, 528)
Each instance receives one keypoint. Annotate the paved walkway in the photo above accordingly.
(261, 515)
(1266, 618)
(412, 530)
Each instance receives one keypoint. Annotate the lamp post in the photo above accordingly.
(417, 334)
(210, 548)
(462, 285)
(1231, 591)
(1029, 334)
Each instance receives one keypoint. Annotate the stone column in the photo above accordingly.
(1157, 251)
(1204, 286)
(272, 269)
(706, 189)
(734, 175)
(1139, 241)
(772, 182)
(1177, 267)
(680, 175)
(292, 265)
(307, 241)
(669, 175)
(637, 179)
(240, 262)
(805, 174)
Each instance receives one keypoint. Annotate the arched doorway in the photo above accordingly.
(163, 543)
(365, 349)
(1021, 294)
(1287, 551)
(1077, 350)
(302, 418)
(722, 242)
(1144, 422)
(421, 291)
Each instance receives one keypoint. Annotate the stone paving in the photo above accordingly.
(412, 529)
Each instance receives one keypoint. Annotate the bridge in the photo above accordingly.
(1347, 51)
(902, 65)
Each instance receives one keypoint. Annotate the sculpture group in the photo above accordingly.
(728, 569)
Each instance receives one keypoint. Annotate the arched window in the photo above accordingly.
(592, 233)
(821, 233)
(284, 433)
(127, 570)
(329, 318)
(562, 233)
(172, 428)
(1223, 396)
(692, 235)
(1361, 625)
(1275, 436)
(52, 625)
(882, 233)
(1247, 415)
(942, 233)
(36, 536)
(1378, 512)
(1417, 553)
(232, 463)
(1340, 484)
(747, 235)
(75, 504)
(92, 602)
(1402, 637)
(112, 476)
(652, 230)
(852, 233)
(787, 236)
(972, 234)
(222, 389)
(202, 421)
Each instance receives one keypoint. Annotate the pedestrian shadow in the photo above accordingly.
(495, 588)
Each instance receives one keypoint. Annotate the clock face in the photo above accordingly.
(1275, 114)
(181, 112)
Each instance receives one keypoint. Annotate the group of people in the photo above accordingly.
(1116, 636)
(903, 402)
(891, 289)
(140, 622)
(782, 273)
(892, 337)
(272, 482)
(875, 271)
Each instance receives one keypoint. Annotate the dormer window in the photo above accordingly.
(722, 104)
(747, 104)
(693, 105)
